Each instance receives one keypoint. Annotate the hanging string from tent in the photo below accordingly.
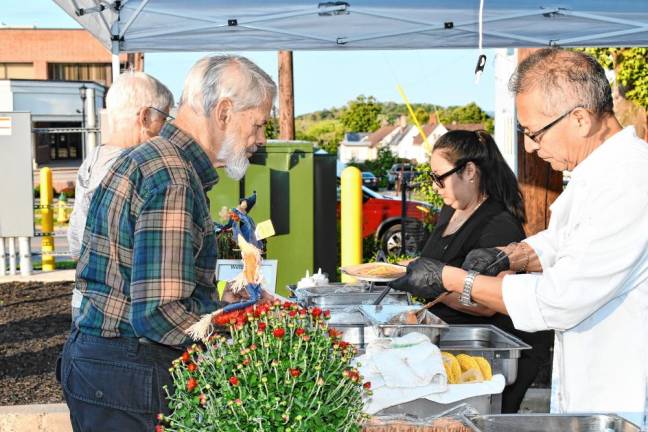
(481, 60)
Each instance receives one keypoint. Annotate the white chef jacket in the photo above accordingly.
(594, 286)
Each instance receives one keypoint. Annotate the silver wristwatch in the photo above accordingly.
(466, 298)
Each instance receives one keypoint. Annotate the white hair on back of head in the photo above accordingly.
(132, 91)
(213, 78)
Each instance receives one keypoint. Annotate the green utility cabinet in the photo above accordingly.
(296, 189)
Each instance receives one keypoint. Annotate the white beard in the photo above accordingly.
(236, 162)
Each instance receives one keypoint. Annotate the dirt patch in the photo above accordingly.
(34, 324)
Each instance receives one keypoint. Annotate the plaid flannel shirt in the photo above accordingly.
(148, 257)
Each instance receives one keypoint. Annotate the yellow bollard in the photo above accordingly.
(61, 214)
(351, 218)
(47, 218)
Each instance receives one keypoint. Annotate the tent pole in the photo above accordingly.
(115, 60)
(286, 97)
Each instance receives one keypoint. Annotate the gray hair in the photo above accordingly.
(565, 78)
(211, 79)
(132, 91)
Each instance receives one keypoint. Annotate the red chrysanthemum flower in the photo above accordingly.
(334, 333)
(327, 314)
(279, 333)
(316, 312)
(294, 372)
(191, 367)
(186, 357)
(367, 385)
(233, 380)
(159, 428)
(262, 326)
(292, 313)
(300, 331)
(192, 384)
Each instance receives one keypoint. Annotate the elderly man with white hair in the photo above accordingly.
(136, 107)
(146, 269)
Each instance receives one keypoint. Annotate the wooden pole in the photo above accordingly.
(540, 184)
(286, 97)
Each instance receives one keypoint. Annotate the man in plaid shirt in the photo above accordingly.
(146, 269)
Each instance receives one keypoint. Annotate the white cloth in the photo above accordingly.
(411, 367)
(93, 169)
(594, 287)
(91, 172)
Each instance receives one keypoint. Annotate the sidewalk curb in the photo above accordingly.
(35, 418)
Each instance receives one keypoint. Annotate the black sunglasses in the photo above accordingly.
(438, 179)
(168, 117)
(535, 136)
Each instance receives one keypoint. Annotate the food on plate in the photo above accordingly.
(375, 270)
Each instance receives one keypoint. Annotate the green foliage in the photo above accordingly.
(326, 134)
(631, 67)
(470, 113)
(380, 166)
(425, 188)
(361, 115)
(422, 115)
(272, 128)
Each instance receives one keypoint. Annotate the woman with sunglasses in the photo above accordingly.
(483, 208)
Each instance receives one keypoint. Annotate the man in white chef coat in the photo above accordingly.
(588, 271)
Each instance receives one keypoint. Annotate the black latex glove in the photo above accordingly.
(423, 278)
(479, 260)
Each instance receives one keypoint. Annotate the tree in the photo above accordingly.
(326, 134)
(630, 66)
(361, 115)
(422, 115)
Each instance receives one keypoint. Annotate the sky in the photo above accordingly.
(322, 79)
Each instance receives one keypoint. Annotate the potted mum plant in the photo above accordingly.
(281, 369)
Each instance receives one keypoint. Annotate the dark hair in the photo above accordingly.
(564, 77)
(495, 177)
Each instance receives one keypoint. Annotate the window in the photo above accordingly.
(58, 146)
(16, 71)
(99, 72)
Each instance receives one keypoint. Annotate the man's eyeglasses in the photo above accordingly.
(535, 136)
(438, 179)
(167, 116)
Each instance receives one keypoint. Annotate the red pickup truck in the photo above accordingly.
(381, 217)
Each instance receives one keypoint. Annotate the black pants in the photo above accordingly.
(114, 384)
(529, 362)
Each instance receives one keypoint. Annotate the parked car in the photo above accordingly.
(369, 180)
(408, 171)
(381, 218)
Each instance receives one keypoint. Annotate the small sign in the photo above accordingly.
(5, 126)
(228, 269)
(264, 230)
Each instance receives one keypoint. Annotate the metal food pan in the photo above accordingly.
(422, 408)
(353, 325)
(335, 295)
(431, 325)
(501, 349)
(552, 423)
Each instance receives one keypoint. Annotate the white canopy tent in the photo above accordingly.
(218, 25)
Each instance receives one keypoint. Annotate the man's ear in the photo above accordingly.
(222, 112)
(144, 117)
(583, 119)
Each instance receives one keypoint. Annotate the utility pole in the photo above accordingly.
(286, 97)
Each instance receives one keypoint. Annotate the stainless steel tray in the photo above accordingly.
(353, 325)
(334, 295)
(552, 423)
(431, 325)
(422, 408)
(501, 349)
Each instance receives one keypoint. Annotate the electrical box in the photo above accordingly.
(16, 176)
(296, 189)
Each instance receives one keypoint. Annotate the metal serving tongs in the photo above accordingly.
(381, 257)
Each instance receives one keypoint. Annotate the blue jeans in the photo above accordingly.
(114, 384)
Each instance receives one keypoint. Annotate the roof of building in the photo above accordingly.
(429, 128)
(377, 136)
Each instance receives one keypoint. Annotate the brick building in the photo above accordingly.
(42, 71)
